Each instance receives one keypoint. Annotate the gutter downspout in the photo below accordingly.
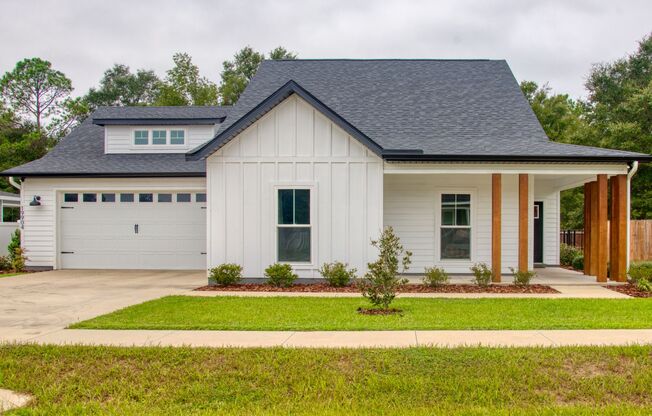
(13, 183)
(632, 171)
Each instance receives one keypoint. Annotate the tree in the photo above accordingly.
(237, 73)
(120, 87)
(36, 90)
(184, 86)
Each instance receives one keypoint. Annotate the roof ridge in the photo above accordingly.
(389, 59)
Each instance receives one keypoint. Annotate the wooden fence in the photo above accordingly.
(640, 238)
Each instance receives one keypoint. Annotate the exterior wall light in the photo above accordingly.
(36, 202)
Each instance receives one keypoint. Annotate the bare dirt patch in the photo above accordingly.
(375, 311)
(631, 290)
(418, 288)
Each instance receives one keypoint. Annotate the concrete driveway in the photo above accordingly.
(42, 302)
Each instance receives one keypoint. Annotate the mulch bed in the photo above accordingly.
(631, 290)
(373, 311)
(323, 287)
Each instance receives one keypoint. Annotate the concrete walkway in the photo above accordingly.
(335, 339)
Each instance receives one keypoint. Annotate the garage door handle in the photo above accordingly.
(136, 228)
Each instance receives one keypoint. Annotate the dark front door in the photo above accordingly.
(538, 231)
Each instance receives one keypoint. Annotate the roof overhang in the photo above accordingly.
(107, 175)
(289, 88)
(418, 156)
(156, 121)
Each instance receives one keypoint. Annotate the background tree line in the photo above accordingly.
(37, 108)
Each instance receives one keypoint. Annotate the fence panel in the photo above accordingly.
(640, 238)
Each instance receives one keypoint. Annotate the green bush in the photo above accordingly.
(578, 262)
(522, 278)
(280, 275)
(14, 243)
(337, 274)
(435, 276)
(482, 274)
(567, 254)
(382, 280)
(225, 274)
(18, 260)
(644, 285)
(640, 270)
(5, 264)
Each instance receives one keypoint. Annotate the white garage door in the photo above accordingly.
(132, 230)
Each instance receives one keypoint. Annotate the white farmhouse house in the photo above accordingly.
(316, 157)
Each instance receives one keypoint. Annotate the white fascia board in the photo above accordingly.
(507, 168)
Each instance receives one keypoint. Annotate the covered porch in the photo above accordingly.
(507, 215)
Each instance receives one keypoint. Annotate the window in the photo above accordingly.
(456, 226)
(126, 197)
(183, 197)
(164, 197)
(200, 198)
(159, 137)
(89, 197)
(293, 225)
(108, 197)
(177, 137)
(141, 137)
(10, 213)
(70, 198)
(145, 197)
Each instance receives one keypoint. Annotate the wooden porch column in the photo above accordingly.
(523, 215)
(586, 243)
(593, 226)
(618, 241)
(496, 209)
(603, 237)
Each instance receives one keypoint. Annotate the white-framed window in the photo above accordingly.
(294, 224)
(10, 213)
(455, 242)
(178, 137)
(158, 136)
(141, 137)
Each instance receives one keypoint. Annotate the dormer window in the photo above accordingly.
(141, 137)
(158, 136)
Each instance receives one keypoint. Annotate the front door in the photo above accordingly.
(538, 231)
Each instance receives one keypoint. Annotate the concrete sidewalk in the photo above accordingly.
(333, 339)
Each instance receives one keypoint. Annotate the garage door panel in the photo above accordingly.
(103, 235)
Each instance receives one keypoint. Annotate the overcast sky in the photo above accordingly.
(544, 41)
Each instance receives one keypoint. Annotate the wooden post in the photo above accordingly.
(618, 242)
(603, 237)
(523, 223)
(496, 209)
(593, 265)
(586, 244)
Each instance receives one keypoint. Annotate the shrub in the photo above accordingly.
(280, 275)
(435, 276)
(640, 270)
(225, 274)
(567, 254)
(522, 278)
(382, 281)
(578, 262)
(5, 264)
(18, 260)
(337, 274)
(644, 285)
(14, 243)
(482, 274)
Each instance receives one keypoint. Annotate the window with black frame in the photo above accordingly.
(293, 225)
(455, 227)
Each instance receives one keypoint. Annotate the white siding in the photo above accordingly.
(41, 223)
(293, 145)
(120, 139)
(549, 194)
(411, 206)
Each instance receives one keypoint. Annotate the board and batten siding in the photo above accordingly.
(40, 224)
(293, 145)
(412, 207)
(120, 139)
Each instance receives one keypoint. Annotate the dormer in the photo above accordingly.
(157, 129)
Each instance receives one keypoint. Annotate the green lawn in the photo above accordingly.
(103, 380)
(10, 275)
(306, 313)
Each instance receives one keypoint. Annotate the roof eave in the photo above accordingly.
(411, 157)
(156, 121)
(106, 174)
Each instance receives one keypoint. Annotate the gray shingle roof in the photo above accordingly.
(82, 153)
(448, 109)
(187, 114)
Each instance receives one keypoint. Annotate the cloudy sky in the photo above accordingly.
(546, 41)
